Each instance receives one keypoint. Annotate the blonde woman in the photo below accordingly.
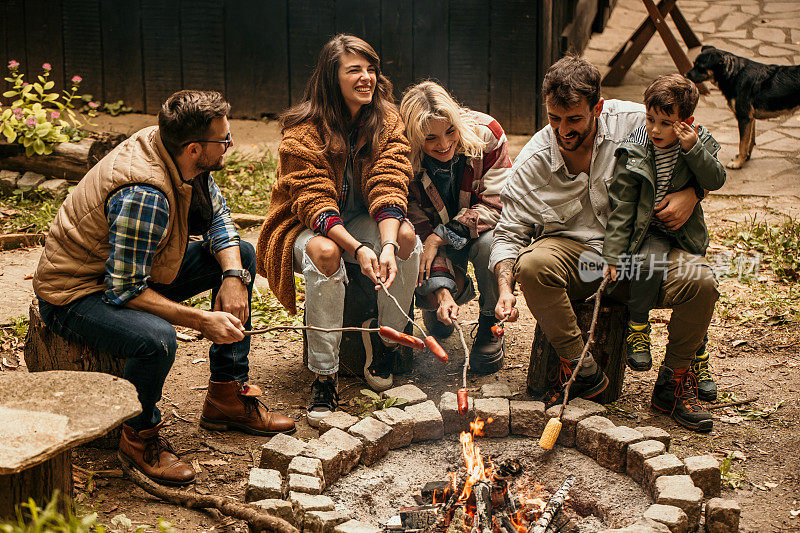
(460, 162)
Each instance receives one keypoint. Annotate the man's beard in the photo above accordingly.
(578, 139)
(205, 164)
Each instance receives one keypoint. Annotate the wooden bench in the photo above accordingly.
(608, 349)
(45, 414)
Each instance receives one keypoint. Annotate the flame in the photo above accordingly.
(476, 470)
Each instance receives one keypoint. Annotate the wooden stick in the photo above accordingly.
(466, 352)
(731, 404)
(257, 518)
(553, 506)
(310, 328)
(400, 307)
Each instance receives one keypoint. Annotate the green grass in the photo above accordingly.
(246, 181)
(16, 329)
(778, 243)
(28, 211)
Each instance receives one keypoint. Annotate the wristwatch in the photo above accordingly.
(243, 275)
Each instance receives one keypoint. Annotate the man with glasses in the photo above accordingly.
(118, 259)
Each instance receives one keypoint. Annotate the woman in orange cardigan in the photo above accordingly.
(341, 196)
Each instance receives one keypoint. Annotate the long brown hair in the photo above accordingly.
(324, 104)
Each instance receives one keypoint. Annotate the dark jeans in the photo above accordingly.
(147, 342)
(648, 276)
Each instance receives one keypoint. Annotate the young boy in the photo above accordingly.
(665, 155)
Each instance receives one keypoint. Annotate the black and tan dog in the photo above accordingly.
(753, 90)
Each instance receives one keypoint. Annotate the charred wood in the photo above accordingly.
(553, 506)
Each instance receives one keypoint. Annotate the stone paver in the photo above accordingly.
(575, 411)
(672, 517)
(277, 507)
(612, 446)
(402, 426)
(453, 421)
(410, 393)
(638, 453)
(428, 423)
(496, 413)
(279, 451)
(654, 433)
(329, 456)
(303, 503)
(323, 521)
(704, 471)
(349, 446)
(8, 181)
(307, 466)
(722, 516)
(527, 418)
(375, 436)
(658, 466)
(303, 483)
(496, 390)
(338, 419)
(354, 526)
(263, 484)
(30, 180)
(679, 491)
(54, 187)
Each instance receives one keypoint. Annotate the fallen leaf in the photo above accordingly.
(731, 419)
(771, 485)
(29, 276)
(199, 360)
(214, 462)
(738, 342)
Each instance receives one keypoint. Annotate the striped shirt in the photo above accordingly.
(138, 217)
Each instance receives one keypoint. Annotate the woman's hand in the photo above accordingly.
(429, 250)
(368, 262)
(448, 309)
(388, 265)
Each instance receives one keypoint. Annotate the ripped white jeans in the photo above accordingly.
(324, 305)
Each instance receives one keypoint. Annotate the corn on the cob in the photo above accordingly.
(550, 433)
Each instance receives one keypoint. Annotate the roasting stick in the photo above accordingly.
(553, 427)
(462, 394)
(309, 328)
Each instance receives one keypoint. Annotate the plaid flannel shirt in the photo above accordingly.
(138, 216)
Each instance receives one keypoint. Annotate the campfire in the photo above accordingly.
(485, 498)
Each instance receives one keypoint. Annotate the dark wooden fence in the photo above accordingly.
(490, 54)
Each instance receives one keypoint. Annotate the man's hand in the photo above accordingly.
(610, 269)
(220, 327)
(506, 303)
(232, 298)
(448, 309)
(368, 262)
(686, 134)
(429, 250)
(676, 208)
(388, 265)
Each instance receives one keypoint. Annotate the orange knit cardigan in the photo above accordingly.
(309, 183)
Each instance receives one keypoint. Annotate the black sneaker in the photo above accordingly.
(435, 327)
(706, 388)
(324, 400)
(378, 359)
(675, 394)
(487, 353)
(587, 387)
(638, 344)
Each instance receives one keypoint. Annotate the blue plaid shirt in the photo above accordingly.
(137, 222)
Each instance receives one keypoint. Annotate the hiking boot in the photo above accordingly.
(436, 327)
(378, 360)
(487, 353)
(231, 405)
(324, 399)
(587, 387)
(706, 388)
(675, 394)
(151, 454)
(638, 344)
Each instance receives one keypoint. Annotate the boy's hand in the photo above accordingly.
(686, 133)
(609, 269)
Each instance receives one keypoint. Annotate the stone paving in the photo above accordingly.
(762, 30)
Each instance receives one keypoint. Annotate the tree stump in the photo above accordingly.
(360, 305)
(45, 350)
(608, 349)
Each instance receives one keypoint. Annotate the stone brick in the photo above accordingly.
(264, 484)
(527, 418)
(722, 516)
(30, 179)
(587, 432)
(453, 421)
(54, 187)
(375, 436)
(303, 483)
(307, 466)
(402, 426)
(643, 525)
(354, 526)
(496, 390)
(427, 419)
(679, 491)
(672, 517)
(277, 507)
(303, 503)
(704, 471)
(323, 521)
(279, 451)
(410, 393)
(576, 410)
(638, 453)
(338, 419)
(8, 181)
(612, 446)
(660, 465)
(496, 413)
(654, 433)
(349, 446)
(329, 456)
(594, 408)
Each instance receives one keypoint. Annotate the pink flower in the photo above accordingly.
(31, 121)
(94, 105)
(76, 79)
(55, 114)
(18, 113)
(13, 64)
(46, 66)
(25, 84)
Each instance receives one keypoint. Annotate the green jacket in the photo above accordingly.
(632, 194)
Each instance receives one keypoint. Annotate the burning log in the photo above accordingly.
(483, 507)
(459, 522)
(553, 506)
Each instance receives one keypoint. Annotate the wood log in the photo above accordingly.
(20, 240)
(45, 350)
(608, 349)
(246, 220)
(37, 482)
(69, 161)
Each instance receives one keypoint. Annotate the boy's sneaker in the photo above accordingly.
(324, 399)
(586, 387)
(638, 343)
(675, 394)
(706, 388)
(378, 359)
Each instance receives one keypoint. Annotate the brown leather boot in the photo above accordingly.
(231, 405)
(151, 454)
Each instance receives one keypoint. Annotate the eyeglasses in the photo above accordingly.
(228, 141)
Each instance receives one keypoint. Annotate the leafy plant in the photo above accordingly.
(779, 243)
(372, 402)
(728, 476)
(28, 211)
(37, 118)
(247, 181)
(116, 108)
(16, 328)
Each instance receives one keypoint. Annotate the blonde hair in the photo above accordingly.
(428, 101)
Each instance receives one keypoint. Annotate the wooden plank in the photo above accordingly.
(359, 18)
(161, 51)
(431, 36)
(469, 53)
(546, 56)
(575, 35)
(83, 51)
(311, 25)
(123, 77)
(397, 60)
(202, 26)
(256, 83)
(12, 36)
(43, 40)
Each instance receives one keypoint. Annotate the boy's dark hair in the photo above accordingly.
(187, 115)
(672, 93)
(569, 79)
